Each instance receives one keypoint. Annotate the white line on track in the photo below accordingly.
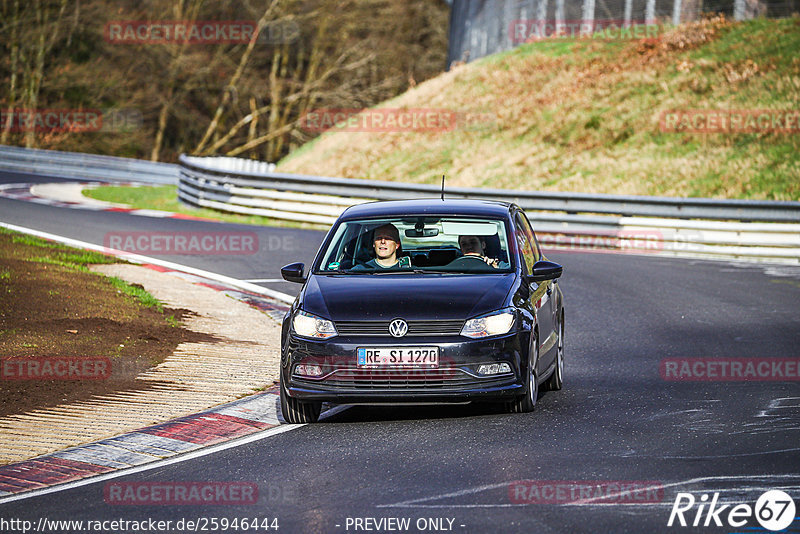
(417, 503)
(736, 455)
(156, 464)
(137, 258)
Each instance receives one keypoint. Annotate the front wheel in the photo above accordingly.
(527, 402)
(297, 411)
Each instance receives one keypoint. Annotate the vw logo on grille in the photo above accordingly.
(398, 328)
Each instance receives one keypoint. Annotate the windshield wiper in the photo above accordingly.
(397, 271)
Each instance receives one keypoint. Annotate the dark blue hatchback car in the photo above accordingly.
(421, 301)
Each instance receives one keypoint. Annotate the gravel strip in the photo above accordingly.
(244, 357)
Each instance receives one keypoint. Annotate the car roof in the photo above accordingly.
(428, 207)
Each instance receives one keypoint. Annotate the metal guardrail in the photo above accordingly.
(695, 227)
(688, 227)
(645, 206)
(85, 166)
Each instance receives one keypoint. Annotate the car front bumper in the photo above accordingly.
(454, 380)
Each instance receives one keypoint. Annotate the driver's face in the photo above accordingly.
(385, 245)
(470, 244)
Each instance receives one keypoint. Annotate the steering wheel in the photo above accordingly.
(470, 261)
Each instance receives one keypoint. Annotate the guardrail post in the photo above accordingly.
(559, 13)
(650, 12)
(588, 15)
(541, 11)
(738, 9)
(676, 12)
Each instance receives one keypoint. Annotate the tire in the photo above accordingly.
(527, 402)
(556, 380)
(297, 411)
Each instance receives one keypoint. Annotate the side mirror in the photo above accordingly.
(545, 270)
(293, 273)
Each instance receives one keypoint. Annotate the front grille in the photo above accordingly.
(401, 379)
(415, 328)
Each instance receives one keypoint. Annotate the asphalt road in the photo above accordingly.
(276, 246)
(616, 419)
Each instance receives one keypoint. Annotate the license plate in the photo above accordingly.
(398, 356)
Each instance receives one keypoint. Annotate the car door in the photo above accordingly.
(540, 294)
(553, 292)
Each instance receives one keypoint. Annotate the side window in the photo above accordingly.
(537, 253)
(524, 244)
(538, 247)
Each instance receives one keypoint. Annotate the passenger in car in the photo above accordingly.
(473, 246)
(386, 242)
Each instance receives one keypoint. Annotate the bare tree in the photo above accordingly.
(11, 19)
(325, 68)
(235, 78)
(34, 29)
(181, 12)
(244, 98)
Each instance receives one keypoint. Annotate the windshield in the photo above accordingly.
(418, 244)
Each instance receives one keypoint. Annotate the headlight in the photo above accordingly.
(489, 325)
(308, 325)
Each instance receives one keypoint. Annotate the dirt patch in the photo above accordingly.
(52, 309)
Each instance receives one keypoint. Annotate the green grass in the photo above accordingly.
(551, 48)
(78, 260)
(37, 242)
(161, 197)
(146, 299)
(57, 253)
(775, 40)
(165, 198)
(583, 116)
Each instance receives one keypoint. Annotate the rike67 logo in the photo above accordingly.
(774, 510)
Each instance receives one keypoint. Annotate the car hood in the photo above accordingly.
(377, 297)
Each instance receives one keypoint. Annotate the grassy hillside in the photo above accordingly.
(583, 115)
